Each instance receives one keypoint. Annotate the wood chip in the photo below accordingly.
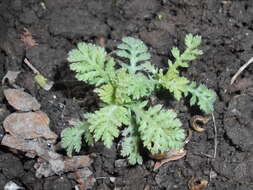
(10, 76)
(29, 125)
(21, 100)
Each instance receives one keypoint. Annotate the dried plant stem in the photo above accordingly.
(240, 70)
(215, 137)
(31, 66)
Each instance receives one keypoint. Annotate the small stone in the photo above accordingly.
(213, 174)
(12, 186)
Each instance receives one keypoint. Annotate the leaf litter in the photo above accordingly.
(27, 39)
(167, 157)
(29, 132)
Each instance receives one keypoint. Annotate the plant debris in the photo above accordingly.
(11, 76)
(168, 156)
(28, 40)
(49, 162)
(187, 140)
(30, 125)
(84, 177)
(29, 132)
(196, 184)
(21, 100)
(39, 78)
(241, 69)
(198, 118)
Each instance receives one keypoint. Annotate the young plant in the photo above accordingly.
(124, 87)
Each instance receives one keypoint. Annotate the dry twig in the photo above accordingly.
(35, 71)
(241, 70)
(215, 137)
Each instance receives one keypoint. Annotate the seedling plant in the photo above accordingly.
(125, 88)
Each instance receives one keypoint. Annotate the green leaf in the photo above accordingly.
(131, 145)
(105, 123)
(134, 50)
(136, 85)
(130, 87)
(160, 129)
(192, 41)
(72, 137)
(126, 87)
(90, 64)
(131, 150)
(175, 52)
(174, 83)
(172, 80)
(203, 97)
(106, 93)
(147, 66)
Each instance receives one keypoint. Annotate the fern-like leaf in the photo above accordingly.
(134, 50)
(174, 83)
(171, 80)
(131, 145)
(203, 97)
(135, 85)
(72, 137)
(126, 87)
(106, 93)
(90, 64)
(192, 42)
(105, 123)
(191, 52)
(160, 129)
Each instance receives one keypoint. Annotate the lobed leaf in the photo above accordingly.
(192, 42)
(106, 93)
(72, 137)
(174, 83)
(126, 88)
(131, 145)
(135, 51)
(160, 129)
(203, 97)
(90, 64)
(105, 123)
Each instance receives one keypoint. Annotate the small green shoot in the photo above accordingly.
(125, 88)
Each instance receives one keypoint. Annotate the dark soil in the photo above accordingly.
(226, 28)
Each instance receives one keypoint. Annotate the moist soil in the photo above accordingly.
(226, 28)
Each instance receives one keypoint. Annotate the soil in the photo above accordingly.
(226, 28)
